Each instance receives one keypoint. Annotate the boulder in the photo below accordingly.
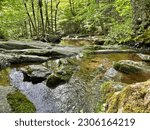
(19, 46)
(144, 57)
(129, 67)
(35, 73)
(53, 81)
(134, 98)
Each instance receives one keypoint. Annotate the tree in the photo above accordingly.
(141, 15)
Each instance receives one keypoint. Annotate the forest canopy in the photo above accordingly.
(42, 19)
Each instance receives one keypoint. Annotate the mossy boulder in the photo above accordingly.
(129, 67)
(62, 69)
(133, 98)
(19, 103)
(53, 81)
(107, 90)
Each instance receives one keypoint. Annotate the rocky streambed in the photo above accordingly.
(41, 77)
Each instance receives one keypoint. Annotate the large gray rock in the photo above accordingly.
(129, 66)
(8, 59)
(35, 73)
(10, 46)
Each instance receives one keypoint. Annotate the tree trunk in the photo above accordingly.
(52, 28)
(26, 8)
(42, 18)
(141, 15)
(34, 16)
(47, 24)
(56, 12)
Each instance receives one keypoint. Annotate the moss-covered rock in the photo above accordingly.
(128, 67)
(62, 69)
(107, 90)
(53, 81)
(19, 103)
(133, 98)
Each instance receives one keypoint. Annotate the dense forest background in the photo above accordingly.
(118, 21)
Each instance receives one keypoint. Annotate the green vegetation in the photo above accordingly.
(132, 98)
(46, 20)
(19, 103)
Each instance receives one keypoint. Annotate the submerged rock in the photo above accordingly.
(129, 67)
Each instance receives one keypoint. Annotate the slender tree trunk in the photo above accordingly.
(72, 8)
(56, 12)
(52, 28)
(34, 16)
(42, 18)
(26, 8)
(30, 28)
(47, 24)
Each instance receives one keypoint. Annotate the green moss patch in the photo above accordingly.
(132, 99)
(19, 103)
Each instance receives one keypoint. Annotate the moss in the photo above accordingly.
(107, 90)
(19, 103)
(131, 99)
(126, 68)
(53, 81)
(113, 102)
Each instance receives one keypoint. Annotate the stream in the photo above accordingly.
(79, 94)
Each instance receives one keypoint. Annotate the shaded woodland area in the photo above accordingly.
(48, 20)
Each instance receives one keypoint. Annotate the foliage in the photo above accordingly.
(29, 19)
(11, 15)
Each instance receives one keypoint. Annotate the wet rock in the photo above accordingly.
(111, 73)
(134, 98)
(4, 106)
(3, 63)
(19, 46)
(9, 59)
(27, 59)
(129, 67)
(144, 57)
(35, 73)
(53, 81)
(113, 51)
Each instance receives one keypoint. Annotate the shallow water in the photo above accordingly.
(78, 95)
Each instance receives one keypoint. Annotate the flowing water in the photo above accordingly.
(80, 94)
